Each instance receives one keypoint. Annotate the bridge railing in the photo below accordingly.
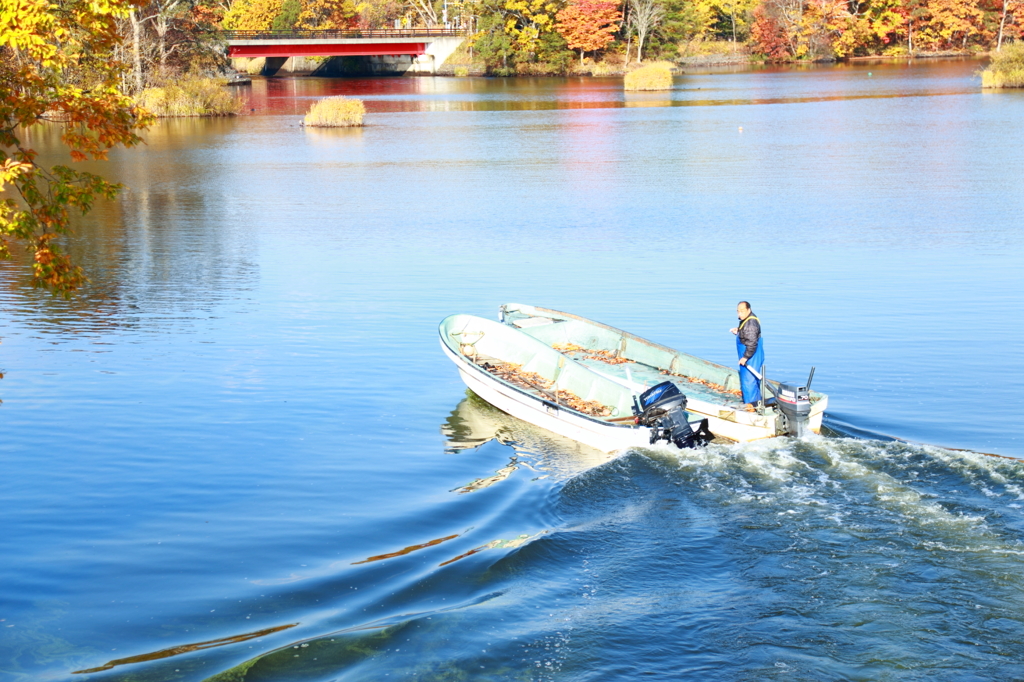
(300, 34)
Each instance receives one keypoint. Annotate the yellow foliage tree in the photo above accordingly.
(327, 14)
(56, 65)
(252, 15)
(953, 23)
(737, 13)
(526, 19)
(820, 23)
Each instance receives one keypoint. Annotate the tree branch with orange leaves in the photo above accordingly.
(57, 68)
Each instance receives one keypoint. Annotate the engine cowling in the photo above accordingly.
(662, 408)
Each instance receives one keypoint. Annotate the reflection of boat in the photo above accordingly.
(475, 422)
(589, 382)
(472, 423)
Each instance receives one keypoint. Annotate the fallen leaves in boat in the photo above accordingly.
(606, 356)
(591, 407)
(704, 382)
(513, 373)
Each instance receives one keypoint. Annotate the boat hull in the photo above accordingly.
(545, 414)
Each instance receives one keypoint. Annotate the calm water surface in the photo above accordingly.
(240, 455)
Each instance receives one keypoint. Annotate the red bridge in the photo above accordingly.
(346, 43)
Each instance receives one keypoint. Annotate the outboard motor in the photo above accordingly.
(794, 404)
(663, 409)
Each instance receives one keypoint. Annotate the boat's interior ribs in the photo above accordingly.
(539, 386)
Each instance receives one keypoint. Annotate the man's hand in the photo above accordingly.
(734, 330)
(743, 362)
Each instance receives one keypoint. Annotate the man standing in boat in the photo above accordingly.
(750, 349)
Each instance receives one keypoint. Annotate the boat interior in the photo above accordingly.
(538, 369)
(628, 359)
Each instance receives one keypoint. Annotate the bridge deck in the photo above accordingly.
(335, 43)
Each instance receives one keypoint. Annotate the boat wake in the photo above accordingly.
(808, 559)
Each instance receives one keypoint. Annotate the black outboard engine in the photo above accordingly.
(794, 404)
(663, 409)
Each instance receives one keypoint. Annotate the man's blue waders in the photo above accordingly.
(749, 384)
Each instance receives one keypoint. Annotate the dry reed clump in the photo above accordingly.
(1006, 69)
(190, 96)
(336, 112)
(653, 76)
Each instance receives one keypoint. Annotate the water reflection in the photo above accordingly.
(407, 550)
(167, 245)
(481, 483)
(695, 87)
(475, 422)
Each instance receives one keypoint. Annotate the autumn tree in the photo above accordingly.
(686, 21)
(737, 13)
(288, 16)
(525, 20)
(252, 15)
(952, 23)
(56, 68)
(378, 13)
(327, 14)
(427, 12)
(1007, 9)
(161, 38)
(588, 25)
(644, 16)
(493, 44)
(769, 35)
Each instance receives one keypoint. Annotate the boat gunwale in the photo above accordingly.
(815, 394)
(543, 401)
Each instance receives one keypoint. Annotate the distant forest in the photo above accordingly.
(558, 36)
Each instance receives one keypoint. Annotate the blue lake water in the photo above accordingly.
(240, 455)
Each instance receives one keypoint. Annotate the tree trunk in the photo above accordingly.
(1002, 24)
(640, 46)
(133, 16)
(161, 32)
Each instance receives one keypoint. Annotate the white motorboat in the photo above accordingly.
(610, 389)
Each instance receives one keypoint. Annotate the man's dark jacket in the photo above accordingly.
(750, 332)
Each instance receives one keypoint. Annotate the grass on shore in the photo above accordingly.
(653, 76)
(1006, 69)
(336, 112)
(190, 96)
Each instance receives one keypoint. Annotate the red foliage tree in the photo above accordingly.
(769, 36)
(588, 25)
